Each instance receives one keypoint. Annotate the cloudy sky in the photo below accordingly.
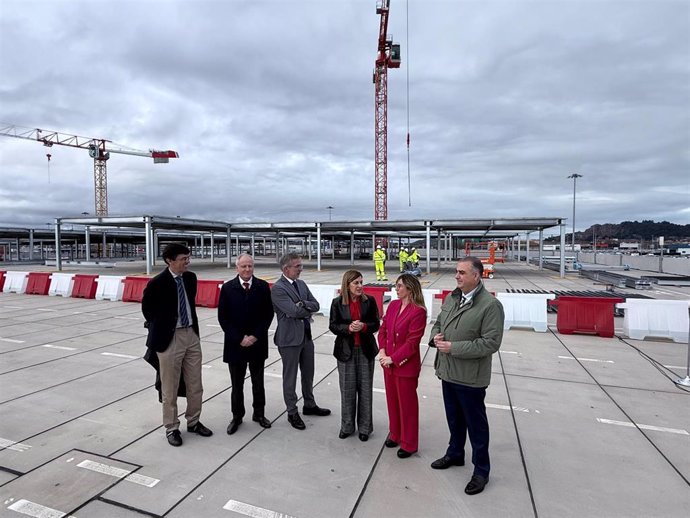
(270, 105)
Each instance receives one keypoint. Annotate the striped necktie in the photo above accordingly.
(182, 303)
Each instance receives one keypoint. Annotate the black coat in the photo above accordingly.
(159, 306)
(344, 340)
(243, 313)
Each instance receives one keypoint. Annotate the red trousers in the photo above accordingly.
(403, 410)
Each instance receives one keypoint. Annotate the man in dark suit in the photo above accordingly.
(245, 312)
(170, 311)
(294, 305)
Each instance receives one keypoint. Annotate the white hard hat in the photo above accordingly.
(378, 246)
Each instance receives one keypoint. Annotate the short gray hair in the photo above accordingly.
(475, 262)
(288, 258)
(237, 261)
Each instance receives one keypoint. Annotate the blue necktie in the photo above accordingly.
(182, 303)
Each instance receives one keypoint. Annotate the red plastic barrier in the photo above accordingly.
(589, 315)
(85, 286)
(134, 289)
(38, 283)
(377, 292)
(208, 293)
(443, 295)
(2, 279)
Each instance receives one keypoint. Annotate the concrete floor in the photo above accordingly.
(581, 425)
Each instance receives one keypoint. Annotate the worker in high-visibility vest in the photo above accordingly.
(403, 256)
(380, 263)
(414, 257)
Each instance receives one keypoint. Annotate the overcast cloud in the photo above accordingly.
(270, 105)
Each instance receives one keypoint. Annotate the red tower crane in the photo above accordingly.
(388, 56)
(99, 150)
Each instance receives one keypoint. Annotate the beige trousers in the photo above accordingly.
(183, 355)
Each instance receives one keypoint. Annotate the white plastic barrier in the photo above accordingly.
(109, 287)
(656, 318)
(525, 310)
(61, 284)
(324, 294)
(428, 295)
(15, 282)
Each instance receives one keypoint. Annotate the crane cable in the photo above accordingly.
(407, 70)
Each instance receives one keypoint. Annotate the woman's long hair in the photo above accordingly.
(414, 287)
(348, 277)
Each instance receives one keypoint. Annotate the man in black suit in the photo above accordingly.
(245, 312)
(170, 311)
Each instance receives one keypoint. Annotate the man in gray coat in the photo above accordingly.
(467, 333)
(294, 305)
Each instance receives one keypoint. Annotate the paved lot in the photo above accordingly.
(581, 425)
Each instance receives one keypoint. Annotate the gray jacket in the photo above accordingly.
(291, 310)
(475, 332)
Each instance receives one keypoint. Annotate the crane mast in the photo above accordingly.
(388, 56)
(98, 150)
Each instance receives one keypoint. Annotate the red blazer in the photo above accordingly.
(400, 336)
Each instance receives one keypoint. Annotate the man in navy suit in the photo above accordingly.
(170, 311)
(245, 312)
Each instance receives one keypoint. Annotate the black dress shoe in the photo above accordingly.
(174, 438)
(234, 425)
(390, 443)
(476, 485)
(200, 429)
(363, 437)
(343, 435)
(296, 421)
(403, 454)
(446, 462)
(315, 410)
(263, 422)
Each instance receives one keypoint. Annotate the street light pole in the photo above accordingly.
(574, 176)
(330, 211)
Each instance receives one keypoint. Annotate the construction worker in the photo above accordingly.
(414, 257)
(379, 263)
(403, 256)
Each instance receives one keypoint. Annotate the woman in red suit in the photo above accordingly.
(399, 337)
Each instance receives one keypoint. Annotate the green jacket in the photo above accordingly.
(475, 332)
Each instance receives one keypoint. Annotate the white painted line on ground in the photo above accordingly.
(273, 375)
(117, 355)
(516, 408)
(46, 309)
(212, 325)
(10, 340)
(380, 391)
(142, 480)
(36, 510)
(643, 426)
(508, 352)
(252, 510)
(585, 359)
(61, 347)
(676, 366)
(12, 445)
(104, 468)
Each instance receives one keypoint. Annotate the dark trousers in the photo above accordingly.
(238, 371)
(466, 414)
(301, 356)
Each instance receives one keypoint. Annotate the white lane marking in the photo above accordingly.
(676, 366)
(117, 355)
(508, 352)
(212, 325)
(61, 347)
(585, 359)
(643, 426)
(45, 309)
(273, 375)
(252, 510)
(13, 445)
(36, 510)
(10, 340)
(516, 408)
(380, 391)
(142, 480)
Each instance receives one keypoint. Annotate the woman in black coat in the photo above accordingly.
(354, 320)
